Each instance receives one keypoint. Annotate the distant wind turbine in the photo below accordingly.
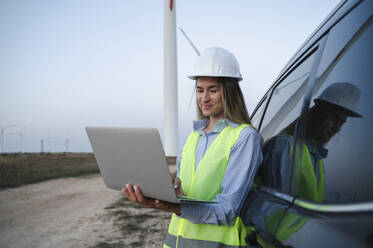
(48, 140)
(21, 138)
(2, 134)
(67, 142)
(41, 146)
(67, 145)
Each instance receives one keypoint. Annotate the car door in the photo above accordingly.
(280, 107)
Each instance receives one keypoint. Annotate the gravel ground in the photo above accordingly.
(76, 212)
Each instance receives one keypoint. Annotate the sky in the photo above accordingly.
(65, 65)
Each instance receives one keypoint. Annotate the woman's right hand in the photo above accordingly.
(134, 194)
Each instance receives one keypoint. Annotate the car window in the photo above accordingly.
(286, 101)
(331, 143)
(346, 128)
(341, 105)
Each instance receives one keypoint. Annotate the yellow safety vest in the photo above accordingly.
(283, 224)
(205, 183)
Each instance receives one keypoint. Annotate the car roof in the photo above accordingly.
(342, 8)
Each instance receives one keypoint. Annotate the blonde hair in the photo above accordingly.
(234, 106)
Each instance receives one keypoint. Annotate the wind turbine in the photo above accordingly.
(67, 142)
(2, 133)
(41, 146)
(48, 140)
(20, 135)
(67, 145)
(21, 138)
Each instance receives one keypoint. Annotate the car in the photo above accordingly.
(334, 67)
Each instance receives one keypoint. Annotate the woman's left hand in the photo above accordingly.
(134, 194)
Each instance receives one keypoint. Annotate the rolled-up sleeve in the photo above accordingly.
(244, 161)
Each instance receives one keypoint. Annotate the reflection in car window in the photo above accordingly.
(347, 136)
(335, 160)
(286, 101)
(348, 165)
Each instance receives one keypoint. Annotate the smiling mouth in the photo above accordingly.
(205, 107)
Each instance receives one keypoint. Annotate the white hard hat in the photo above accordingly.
(216, 62)
(343, 95)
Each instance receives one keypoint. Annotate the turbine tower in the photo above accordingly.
(67, 143)
(170, 102)
(21, 139)
(2, 134)
(41, 146)
(48, 139)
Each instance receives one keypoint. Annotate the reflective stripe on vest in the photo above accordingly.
(283, 224)
(222, 232)
(204, 183)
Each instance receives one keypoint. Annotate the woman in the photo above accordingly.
(218, 161)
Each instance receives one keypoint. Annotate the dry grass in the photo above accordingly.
(25, 168)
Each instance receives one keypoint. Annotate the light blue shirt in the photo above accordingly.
(244, 161)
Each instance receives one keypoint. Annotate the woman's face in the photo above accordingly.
(209, 97)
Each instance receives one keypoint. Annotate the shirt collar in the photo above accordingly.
(199, 125)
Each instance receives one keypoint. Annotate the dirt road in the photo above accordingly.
(76, 212)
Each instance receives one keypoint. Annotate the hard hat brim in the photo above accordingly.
(214, 76)
(348, 111)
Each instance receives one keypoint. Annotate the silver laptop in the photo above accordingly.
(136, 156)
